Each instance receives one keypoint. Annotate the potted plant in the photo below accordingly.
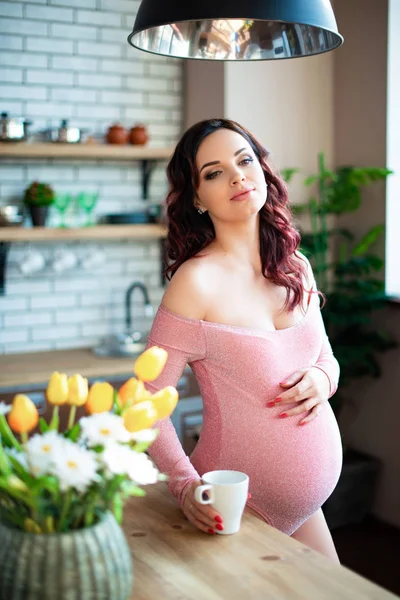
(346, 271)
(62, 492)
(38, 197)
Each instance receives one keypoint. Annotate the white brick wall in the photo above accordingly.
(70, 59)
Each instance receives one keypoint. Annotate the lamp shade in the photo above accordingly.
(235, 29)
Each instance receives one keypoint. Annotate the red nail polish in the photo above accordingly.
(303, 423)
(248, 496)
(272, 403)
(283, 415)
(278, 399)
(219, 527)
(219, 519)
(211, 531)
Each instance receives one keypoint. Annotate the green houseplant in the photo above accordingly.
(347, 272)
(38, 197)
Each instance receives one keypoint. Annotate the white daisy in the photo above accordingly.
(4, 408)
(117, 458)
(141, 469)
(145, 435)
(103, 427)
(75, 467)
(42, 449)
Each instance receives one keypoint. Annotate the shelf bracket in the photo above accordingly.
(4, 246)
(147, 167)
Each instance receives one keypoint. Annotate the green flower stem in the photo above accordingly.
(49, 522)
(72, 415)
(65, 509)
(7, 436)
(89, 512)
(117, 404)
(24, 438)
(5, 465)
(54, 419)
(117, 506)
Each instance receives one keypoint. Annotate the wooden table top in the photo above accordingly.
(175, 561)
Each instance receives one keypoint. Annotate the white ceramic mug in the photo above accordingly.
(63, 260)
(32, 262)
(227, 492)
(93, 259)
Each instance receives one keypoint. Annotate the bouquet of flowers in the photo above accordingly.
(61, 481)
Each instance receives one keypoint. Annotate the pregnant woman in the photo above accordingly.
(242, 309)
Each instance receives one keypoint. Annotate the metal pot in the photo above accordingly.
(11, 215)
(13, 130)
(64, 134)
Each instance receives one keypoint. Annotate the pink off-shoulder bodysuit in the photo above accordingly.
(292, 469)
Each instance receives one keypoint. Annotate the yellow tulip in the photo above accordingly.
(132, 391)
(16, 483)
(165, 401)
(31, 526)
(57, 389)
(101, 398)
(23, 416)
(140, 416)
(77, 390)
(150, 364)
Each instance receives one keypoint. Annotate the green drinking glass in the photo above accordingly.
(87, 201)
(61, 203)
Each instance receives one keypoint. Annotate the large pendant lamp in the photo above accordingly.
(235, 29)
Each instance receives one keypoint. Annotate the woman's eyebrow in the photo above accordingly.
(216, 162)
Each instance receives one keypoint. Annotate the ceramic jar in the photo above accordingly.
(138, 135)
(117, 134)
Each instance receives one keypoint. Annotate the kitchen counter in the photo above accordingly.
(173, 560)
(36, 367)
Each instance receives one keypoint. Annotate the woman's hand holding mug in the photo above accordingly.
(203, 516)
(226, 496)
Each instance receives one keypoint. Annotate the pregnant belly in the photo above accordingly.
(292, 469)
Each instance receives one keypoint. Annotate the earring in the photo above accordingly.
(200, 210)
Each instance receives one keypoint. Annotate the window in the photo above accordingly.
(393, 153)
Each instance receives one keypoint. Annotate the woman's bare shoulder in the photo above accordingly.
(190, 291)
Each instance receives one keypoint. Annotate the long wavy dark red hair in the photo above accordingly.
(189, 232)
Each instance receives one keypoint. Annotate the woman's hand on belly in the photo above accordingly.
(309, 388)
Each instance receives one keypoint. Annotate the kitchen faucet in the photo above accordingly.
(148, 309)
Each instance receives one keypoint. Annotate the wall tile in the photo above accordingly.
(70, 59)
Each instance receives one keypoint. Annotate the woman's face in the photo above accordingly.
(232, 185)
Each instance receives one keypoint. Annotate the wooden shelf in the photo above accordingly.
(96, 232)
(82, 151)
(147, 158)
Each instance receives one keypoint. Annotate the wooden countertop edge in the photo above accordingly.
(36, 367)
(33, 368)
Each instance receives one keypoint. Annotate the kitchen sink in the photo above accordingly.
(121, 345)
(132, 342)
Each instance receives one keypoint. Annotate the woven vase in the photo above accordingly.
(93, 563)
